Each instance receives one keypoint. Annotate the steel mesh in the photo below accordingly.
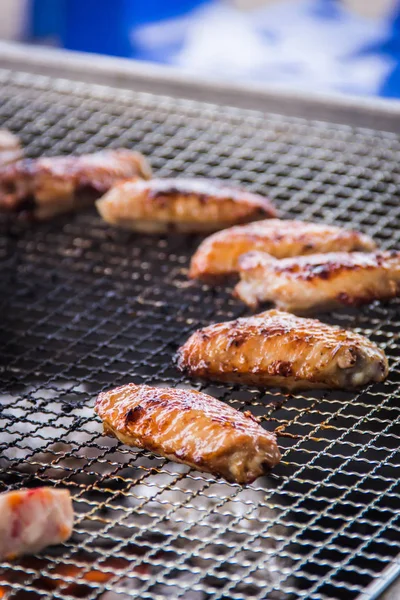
(85, 308)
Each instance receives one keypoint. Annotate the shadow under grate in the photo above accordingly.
(85, 308)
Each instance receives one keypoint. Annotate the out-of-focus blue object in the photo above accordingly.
(104, 26)
(47, 19)
(317, 45)
(390, 87)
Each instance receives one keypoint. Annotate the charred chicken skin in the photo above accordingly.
(45, 187)
(186, 205)
(276, 348)
(318, 281)
(189, 427)
(219, 254)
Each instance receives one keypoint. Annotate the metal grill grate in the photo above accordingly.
(85, 308)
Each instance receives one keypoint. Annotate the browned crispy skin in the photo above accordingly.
(188, 205)
(10, 148)
(319, 281)
(276, 348)
(218, 255)
(189, 427)
(44, 187)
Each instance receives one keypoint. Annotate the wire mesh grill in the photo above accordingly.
(85, 308)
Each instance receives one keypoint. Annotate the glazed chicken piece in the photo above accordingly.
(218, 255)
(34, 519)
(187, 205)
(45, 187)
(10, 148)
(189, 427)
(276, 348)
(318, 281)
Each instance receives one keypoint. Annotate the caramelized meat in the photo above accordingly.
(45, 187)
(318, 281)
(276, 348)
(218, 255)
(34, 519)
(189, 205)
(189, 427)
(10, 148)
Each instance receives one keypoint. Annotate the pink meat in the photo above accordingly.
(31, 520)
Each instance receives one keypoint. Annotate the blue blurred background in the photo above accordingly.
(350, 46)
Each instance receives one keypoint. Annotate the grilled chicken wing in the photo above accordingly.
(189, 205)
(189, 427)
(218, 255)
(45, 187)
(10, 148)
(276, 348)
(318, 281)
(33, 519)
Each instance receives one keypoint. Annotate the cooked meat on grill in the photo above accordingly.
(318, 281)
(189, 427)
(218, 255)
(34, 519)
(188, 205)
(45, 187)
(276, 348)
(10, 148)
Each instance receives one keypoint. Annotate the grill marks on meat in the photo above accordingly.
(33, 519)
(219, 254)
(318, 281)
(279, 349)
(189, 427)
(45, 187)
(187, 205)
